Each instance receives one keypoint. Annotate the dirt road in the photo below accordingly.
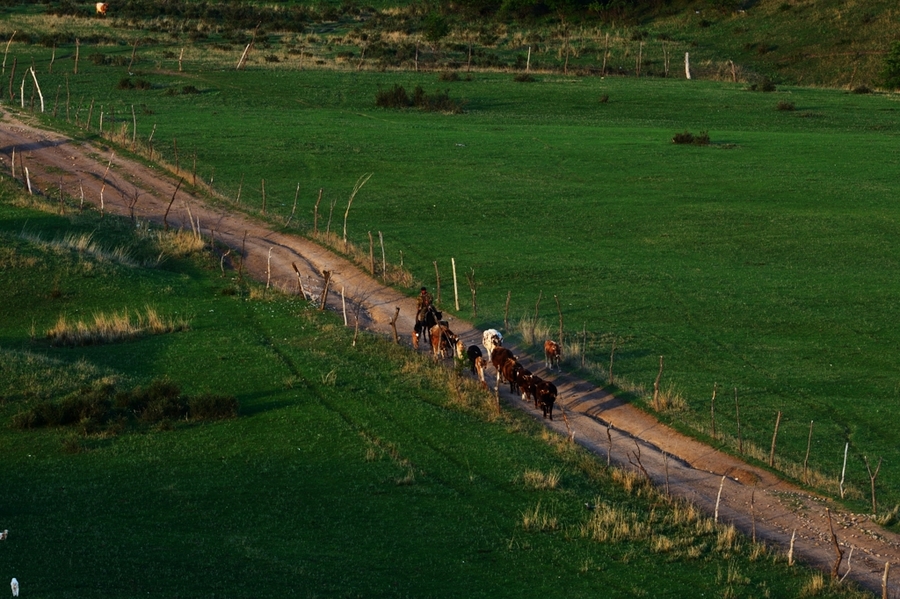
(693, 470)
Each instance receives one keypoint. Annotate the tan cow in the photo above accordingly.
(552, 353)
(101, 8)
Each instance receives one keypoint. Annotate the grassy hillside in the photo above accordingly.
(834, 43)
(349, 471)
(760, 262)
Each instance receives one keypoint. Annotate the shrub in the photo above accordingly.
(785, 105)
(604, 98)
(523, 78)
(448, 76)
(890, 70)
(189, 89)
(764, 85)
(209, 406)
(701, 139)
(862, 89)
(395, 97)
(271, 58)
(101, 407)
(127, 83)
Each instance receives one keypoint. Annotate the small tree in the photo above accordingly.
(890, 71)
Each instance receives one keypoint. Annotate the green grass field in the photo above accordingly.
(761, 262)
(350, 471)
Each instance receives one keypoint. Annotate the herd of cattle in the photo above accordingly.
(521, 380)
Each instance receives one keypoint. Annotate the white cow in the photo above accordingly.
(101, 8)
(14, 584)
(491, 339)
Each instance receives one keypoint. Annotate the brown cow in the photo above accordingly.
(552, 353)
(499, 357)
(101, 8)
(510, 371)
(442, 340)
(479, 364)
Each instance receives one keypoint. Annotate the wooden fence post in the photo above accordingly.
(656, 386)
(774, 438)
(455, 287)
(806, 459)
(559, 311)
(394, 324)
(383, 257)
(324, 298)
(506, 311)
(437, 278)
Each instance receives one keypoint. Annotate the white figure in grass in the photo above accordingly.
(14, 585)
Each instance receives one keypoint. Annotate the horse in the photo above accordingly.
(428, 317)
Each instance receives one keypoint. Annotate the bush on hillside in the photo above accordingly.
(890, 70)
(397, 97)
(785, 105)
(102, 407)
(688, 138)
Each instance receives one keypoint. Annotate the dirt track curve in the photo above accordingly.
(695, 470)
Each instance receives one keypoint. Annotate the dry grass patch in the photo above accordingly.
(535, 479)
(110, 328)
(538, 520)
(84, 245)
(815, 586)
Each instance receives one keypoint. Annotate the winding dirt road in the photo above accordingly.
(693, 470)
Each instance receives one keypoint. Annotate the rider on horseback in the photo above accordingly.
(424, 305)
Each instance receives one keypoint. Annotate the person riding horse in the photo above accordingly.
(426, 315)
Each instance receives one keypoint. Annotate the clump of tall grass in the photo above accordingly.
(535, 479)
(177, 243)
(84, 245)
(111, 328)
(815, 586)
(537, 519)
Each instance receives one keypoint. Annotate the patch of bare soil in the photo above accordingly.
(749, 497)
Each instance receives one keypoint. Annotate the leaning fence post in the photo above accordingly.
(774, 438)
(455, 288)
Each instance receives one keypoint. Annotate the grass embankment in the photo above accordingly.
(359, 470)
(759, 262)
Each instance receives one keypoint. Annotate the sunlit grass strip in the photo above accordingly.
(29, 375)
(111, 328)
(84, 244)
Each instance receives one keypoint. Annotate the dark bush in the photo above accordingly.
(209, 406)
(448, 76)
(98, 58)
(101, 407)
(189, 89)
(271, 58)
(396, 97)
(785, 105)
(890, 69)
(702, 139)
(524, 78)
(127, 83)
(764, 85)
(604, 98)
(862, 89)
